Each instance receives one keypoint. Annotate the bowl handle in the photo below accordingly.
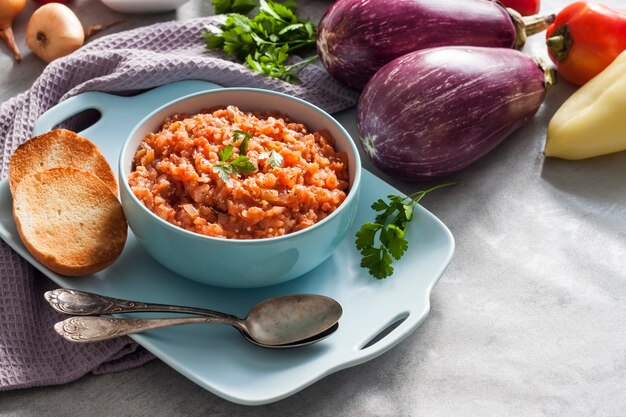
(120, 109)
(101, 102)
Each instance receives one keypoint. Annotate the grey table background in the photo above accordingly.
(528, 320)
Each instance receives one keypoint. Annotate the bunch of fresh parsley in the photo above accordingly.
(265, 41)
(390, 226)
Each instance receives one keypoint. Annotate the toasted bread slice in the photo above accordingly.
(55, 149)
(69, 220)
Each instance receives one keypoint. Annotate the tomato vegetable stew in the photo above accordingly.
(239, 175)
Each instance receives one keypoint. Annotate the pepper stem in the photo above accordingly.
(526, 26)
(556, 43)
(6, 34)
(560, 42)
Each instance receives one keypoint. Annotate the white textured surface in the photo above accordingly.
(528, 320)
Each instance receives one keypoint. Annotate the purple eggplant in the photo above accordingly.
(355, 38)
(433, 112)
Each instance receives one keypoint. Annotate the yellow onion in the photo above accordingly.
(54, 31)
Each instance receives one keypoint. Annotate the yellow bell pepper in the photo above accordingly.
(592, 122)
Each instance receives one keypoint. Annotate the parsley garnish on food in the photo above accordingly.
(264, 42)
(273, 158)
(243, 146)
(234, 166)
(390, 226)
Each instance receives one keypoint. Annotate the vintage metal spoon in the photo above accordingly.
(280, 322)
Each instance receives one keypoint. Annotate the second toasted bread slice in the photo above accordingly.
(55, 149)
(69, 220)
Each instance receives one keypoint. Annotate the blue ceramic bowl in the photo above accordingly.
(242, 263)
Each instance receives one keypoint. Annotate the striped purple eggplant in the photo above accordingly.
(433, 112)
(355, 38)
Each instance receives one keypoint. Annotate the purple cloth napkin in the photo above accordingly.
(31, 354)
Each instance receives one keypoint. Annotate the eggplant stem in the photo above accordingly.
(526, 26)
(6, 35)
(550, 78)
(537, 23)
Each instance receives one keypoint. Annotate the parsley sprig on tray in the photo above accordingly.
(389, 231)
(264, 42)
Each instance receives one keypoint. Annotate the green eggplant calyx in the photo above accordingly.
(526, 26)
(550, 78)
(560, 43)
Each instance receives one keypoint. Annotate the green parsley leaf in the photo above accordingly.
(408, 211)
(378, 261)
(243, 146)
(242, 165)
(226, 153)
(388, 231)
(291, 27)
(397, 244)
(213, 37)
(386, 212)
(278, 11)
(310, 29)
(237, 37)
(234, 6)
(224, 171)
(365, 236)
(273, 158)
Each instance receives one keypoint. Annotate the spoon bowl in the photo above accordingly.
(279, 322)
(290, 319)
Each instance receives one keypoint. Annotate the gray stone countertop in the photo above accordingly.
(528, 320)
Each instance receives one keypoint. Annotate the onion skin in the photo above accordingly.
(433, 112)
(357, 37)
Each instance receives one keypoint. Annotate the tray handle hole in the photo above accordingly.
(80, 121)
(395, 322)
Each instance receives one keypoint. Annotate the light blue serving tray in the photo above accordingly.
(217, 357)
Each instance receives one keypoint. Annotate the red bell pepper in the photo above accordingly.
(585, 38)
(523, 7)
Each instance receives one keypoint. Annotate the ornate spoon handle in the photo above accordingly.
(87, 304)
(93, 329)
